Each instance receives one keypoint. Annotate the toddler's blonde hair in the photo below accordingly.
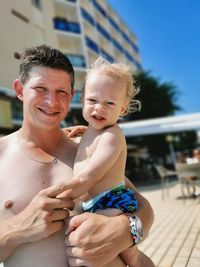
(123, 74)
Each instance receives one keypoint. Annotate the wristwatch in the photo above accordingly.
(136, 229)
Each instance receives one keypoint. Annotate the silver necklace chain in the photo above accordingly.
(54, 161)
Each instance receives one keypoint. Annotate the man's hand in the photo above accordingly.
(45, 215)
(95, 240)
(75, 130)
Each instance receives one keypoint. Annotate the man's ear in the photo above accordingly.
(18, 89)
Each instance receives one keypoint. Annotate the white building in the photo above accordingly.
(82, 29)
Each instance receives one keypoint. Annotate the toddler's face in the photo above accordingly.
(104, 100)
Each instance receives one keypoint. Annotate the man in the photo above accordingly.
(36, 165)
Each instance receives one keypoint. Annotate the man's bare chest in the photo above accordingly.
(23, 178)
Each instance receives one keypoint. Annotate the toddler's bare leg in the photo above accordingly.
(117, 262)
(144, 261)
(135, 258)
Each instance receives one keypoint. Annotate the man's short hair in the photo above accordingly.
(45, 56)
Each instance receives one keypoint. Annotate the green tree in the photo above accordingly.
(158, 99)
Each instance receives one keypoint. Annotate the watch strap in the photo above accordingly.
(136, 229)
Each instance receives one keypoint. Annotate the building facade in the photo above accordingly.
(81, 29)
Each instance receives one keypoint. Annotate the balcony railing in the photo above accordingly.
(114, 24)
(128, 40)
(77, 61)
(87, 16)
(128, 56)
(139, 66)
(118, 46)
(107, 56)
(125, 36)
(73, 1)
(135, 47)
(64, 25)
(99, 8)
(132, 59)
(103, 32)
(91, 44)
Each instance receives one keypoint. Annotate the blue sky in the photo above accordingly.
(168, 33)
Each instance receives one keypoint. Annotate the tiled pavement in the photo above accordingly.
(174, 240)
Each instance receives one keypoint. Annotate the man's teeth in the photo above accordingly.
(50, 112)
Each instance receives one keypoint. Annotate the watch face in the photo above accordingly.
(139, 227)
(139, 224)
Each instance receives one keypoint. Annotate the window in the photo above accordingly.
(37, 3)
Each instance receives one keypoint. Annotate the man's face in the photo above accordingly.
(46, 97)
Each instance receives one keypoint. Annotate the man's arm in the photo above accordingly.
(145, 211)
(95, 240)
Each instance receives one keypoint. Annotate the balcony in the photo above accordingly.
(118, 46)
(91, 44)
(103, 32)
(114, 24)
(100, 9)
(72, 1)
(126, 38)
(77, 61)
(134, 46)
(107, 56)
(87, 16)
(138, 65)
(132, 60)
(128, 56)
(63, 25)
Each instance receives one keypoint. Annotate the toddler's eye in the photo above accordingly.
(110, 103)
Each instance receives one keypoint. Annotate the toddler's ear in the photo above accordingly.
(123, 110)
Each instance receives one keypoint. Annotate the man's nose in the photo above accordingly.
(51, 98)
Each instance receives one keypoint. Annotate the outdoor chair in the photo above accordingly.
(164, 174)
(184, 172)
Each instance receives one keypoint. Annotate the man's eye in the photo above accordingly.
(91, 100)
(40, 89)
(62, 92)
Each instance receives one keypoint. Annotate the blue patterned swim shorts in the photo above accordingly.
(118, 197)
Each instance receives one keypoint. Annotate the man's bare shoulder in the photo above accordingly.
(70, 144)
(6, 140)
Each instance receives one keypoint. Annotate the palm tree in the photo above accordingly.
(158, 99)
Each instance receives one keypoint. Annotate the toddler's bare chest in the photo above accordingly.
(86, 149)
